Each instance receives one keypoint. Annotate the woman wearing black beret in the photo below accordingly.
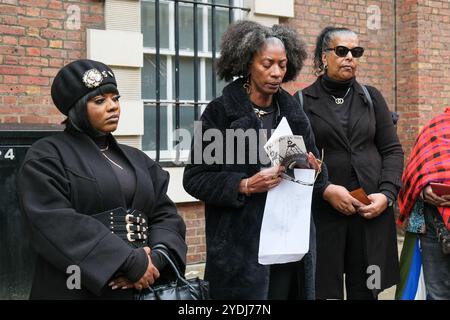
(93, 204)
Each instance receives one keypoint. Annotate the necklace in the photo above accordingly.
(110, 160)
(105, 148)
(262, 113)
(341, 100)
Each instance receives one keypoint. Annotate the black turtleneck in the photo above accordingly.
(136, 264)
(121, 167)
(336, 87)
(339, 89)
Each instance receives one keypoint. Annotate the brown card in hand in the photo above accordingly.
(440, 189)
(361, 196)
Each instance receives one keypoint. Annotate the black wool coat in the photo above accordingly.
(63, 181)
(233, 221)
(373, 149)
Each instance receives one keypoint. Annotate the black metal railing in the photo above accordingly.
(176, 100)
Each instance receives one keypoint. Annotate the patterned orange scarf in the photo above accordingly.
(429, 162)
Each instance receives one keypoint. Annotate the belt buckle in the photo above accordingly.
(129, 218)
(137, 215)
(129, 234)
(134, 218)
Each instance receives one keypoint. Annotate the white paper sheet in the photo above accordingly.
(283, 129)
(285, 227)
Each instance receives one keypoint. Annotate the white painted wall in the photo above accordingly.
(278, 8)
(131, 118)
(116, 48)
(176, 191)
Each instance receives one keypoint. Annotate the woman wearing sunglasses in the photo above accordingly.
(361, 150)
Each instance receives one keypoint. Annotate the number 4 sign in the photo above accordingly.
(9, 154)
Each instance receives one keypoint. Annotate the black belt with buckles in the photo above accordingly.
(130, 225)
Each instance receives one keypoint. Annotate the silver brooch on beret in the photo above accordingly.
(92, 78)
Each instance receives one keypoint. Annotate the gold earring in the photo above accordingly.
(247, 86)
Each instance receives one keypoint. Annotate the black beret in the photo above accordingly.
(77, 79)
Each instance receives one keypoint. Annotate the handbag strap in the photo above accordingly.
(394, 115)
(367, 95)
(163, 250)
(300, 98)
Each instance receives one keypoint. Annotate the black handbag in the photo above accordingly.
(180, 289)
(442, 234)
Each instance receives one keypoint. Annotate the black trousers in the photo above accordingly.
(287, 281)
(436, 265)
(348, 257)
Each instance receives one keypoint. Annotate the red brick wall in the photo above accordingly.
(35, 42)
(193, 214)
(408, 73)
(432, 61)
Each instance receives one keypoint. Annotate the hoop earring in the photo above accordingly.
(320, 70)
(247, 86)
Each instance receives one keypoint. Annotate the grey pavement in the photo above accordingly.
(197, 270)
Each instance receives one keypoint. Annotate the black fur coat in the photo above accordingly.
(64, 180)
(233, 221)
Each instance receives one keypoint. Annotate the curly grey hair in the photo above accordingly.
(244, 38)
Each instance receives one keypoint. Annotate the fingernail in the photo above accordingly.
(111, 283)
(124, 287)
(114, 287)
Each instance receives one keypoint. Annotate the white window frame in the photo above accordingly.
(168, 54)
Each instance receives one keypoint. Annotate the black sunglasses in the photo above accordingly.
(342, 51)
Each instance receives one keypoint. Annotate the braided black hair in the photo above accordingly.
(244, 38)
(323, 42)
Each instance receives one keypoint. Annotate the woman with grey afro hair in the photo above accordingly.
(234, 192)
(244, 38)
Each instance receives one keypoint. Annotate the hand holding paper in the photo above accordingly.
(285, 227)
(262, 181)
(285, 148)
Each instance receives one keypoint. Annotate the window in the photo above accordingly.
(178, 77)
